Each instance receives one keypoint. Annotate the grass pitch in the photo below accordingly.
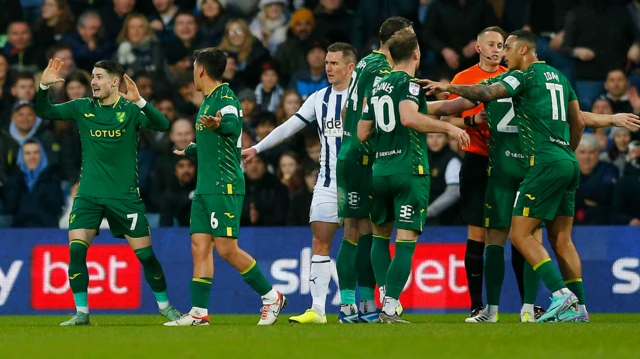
(237, 336)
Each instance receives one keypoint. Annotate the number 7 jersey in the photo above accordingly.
(541, 96)
(399, 149)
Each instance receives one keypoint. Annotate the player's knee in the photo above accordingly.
(321, 246)
(226, 250)
(146, 255)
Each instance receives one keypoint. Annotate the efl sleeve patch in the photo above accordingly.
(229, 110)
(376, 80)
(512, 81)
(414, 88)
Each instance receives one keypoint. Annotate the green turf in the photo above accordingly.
(430, 336)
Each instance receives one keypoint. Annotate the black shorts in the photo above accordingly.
(473, 183)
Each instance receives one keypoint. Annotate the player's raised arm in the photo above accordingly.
(153, 118)
(484, 93)
(576, 124)
(626, 120)
(305, 115)
(449, 107)
(43, 106)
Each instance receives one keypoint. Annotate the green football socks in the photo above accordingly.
(345, 266)
(400, 267)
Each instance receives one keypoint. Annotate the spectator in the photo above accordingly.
(139, 48)
(163, 20)
(88, 42)
(175, 206)
(290, 173)
(290, 103)
(230, 72)
(113, 17)
(145, 83)
(244, 8)
(190, 99)
(64, 53)
(185, 41)
(212, 20)
(545, 18)
(247, 100)
(270, 25)
(268, 91)
(300, 203)
(25, 125)
(290, 55)
(182, 133)
(450, 32)
(597, 179)
(13, 11)
(617, 86)
(625, 207)
(5, 88)
(601, 106)
(617, 153)
(312, 146)
(266, 200)
(444, 197)
(596, 46)
(312, 77)
(21, 53)
(23, 88)
(56, 20)
(33, 195)
(334, 21)
(249, 51)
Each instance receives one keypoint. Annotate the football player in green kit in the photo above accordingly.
(217, 203)
(108, 124)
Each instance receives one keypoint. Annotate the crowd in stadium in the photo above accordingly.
(276, 56)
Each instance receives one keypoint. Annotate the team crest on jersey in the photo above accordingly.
(120, 116)
(414, 88)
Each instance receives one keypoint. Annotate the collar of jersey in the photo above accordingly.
(114, 104)
(215, 88)
(394, 70)
(382, 53)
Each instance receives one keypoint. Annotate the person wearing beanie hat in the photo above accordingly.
(268, 91)
(270, 25)
(290, 55)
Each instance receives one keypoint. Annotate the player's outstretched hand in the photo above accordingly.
(132, 94)
(432, 87)
(51, 74)
(181, 152)
(626, 120)
(211, 122)
(459, 134)
(248, 154)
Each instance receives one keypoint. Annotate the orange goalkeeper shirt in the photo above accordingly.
(479, 135)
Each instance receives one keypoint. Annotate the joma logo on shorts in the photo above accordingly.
(353, 198)
(406, 212)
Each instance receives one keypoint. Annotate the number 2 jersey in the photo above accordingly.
(109, 136)
(399, 149)
(541, 96)
(369, 71)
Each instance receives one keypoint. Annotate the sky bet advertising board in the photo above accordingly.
(34, 278)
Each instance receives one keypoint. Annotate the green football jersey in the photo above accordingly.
(218, 151)
(399, 149)
(369, 71)
(505, 153)
(541, 96)
(109, 136)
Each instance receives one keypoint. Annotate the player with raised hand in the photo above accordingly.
(219, 194)
(354, 165)
(108, 125)
(324, 107)
(550, 129)
(396, 113)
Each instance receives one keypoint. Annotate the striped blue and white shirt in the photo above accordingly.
(323, 106)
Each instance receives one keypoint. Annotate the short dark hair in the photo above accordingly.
(213, 60)
(348, 51)
(30, 142)
(113, 68)
(22, 76)
(392, 25)
(527, 37)
(402, 44)
(497, 29)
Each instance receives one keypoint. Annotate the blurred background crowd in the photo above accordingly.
(276, 51)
